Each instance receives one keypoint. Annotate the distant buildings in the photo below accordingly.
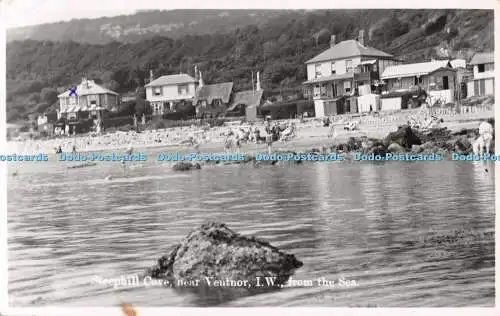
(87, 100)
(483, 82)
(343, 72)
(165, 92)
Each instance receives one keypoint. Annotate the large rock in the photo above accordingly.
(396, 148)
(185, 166)
(215, 251)
(404, 137)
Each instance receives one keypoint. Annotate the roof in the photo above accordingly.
(349, 48)
(458, 63)
(410, 70)
(249, 98)
(87, 87)
(347, 75)
(211, 92)
(171, 80)
(483, 58)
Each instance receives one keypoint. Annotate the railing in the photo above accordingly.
(401, 117)
(365, 75)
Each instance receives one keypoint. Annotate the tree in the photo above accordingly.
(49, 95)
(141, 105)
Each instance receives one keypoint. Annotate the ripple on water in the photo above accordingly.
(355, 221)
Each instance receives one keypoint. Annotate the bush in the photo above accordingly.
(436, 26)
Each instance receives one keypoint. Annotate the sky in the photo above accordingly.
(31, 12)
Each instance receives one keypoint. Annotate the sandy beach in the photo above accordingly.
(310, 133)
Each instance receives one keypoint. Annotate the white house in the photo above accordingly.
(483, 82)
(87, 99)
(339, 74)
(165, 92)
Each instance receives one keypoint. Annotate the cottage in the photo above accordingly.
(212, 100)
(437, 78)
(346, 70)
(166, 92)
(483, 82)
(86, 100)
(246, 103)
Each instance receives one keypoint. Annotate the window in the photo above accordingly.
(348, 65)
(334, 69)
(419, 80)
(489, 67)
(93, 102)
(347, 86)
(480, 68)
(318, 70)
(183, 89)
(157, 91)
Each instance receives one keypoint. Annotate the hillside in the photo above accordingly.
(143, 25)
(277, 48)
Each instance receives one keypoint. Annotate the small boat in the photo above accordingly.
(83, 165)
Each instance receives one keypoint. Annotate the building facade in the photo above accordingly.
(87, 100)
(483, 82)
(165, 92)
(212, 100)
(337, 76)
(437, 78)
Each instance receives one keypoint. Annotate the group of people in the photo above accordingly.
(428, 122)
(273, 132)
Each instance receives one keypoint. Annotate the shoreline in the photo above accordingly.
(310, 134)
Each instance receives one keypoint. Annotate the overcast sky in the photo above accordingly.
(30, 12)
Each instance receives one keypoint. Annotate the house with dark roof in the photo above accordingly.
(166, 92)
(86, 100)
(335, 75)
(246, 103)
(212, 100)
(483, 82)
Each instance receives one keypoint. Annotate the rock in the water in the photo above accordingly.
(404, 137)
(396, 148)
(215, 251)
(186, 166)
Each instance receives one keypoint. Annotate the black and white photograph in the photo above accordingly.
(160, 156)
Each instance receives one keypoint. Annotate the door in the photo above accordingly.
(482, 89)
(445, 83)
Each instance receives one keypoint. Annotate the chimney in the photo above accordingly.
(361, 37)
(332, 40)
(258, 80)
(195, 73)
(201, 80)
(151, 75)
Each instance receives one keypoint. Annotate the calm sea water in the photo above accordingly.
(356, 221)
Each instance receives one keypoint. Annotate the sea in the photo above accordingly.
(362, 226)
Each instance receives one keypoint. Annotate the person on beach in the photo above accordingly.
(130, 150)
(332, 132)
(269, 136)
(484, 139)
